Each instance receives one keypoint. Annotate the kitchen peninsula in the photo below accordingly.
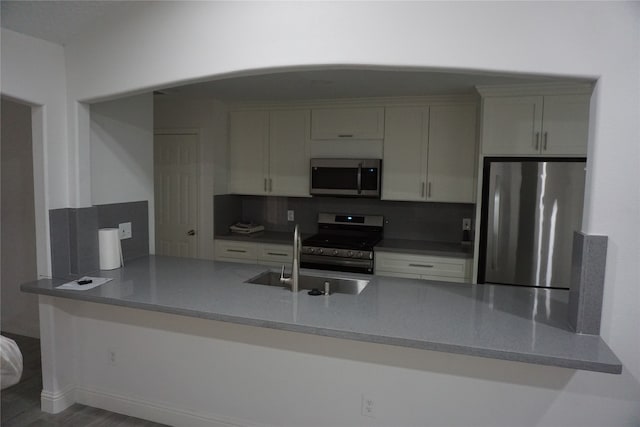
(502, 322)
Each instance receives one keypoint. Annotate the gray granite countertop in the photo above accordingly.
(501, 322)
(425, 247)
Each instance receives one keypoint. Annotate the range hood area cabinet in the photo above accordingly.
(535, 125)
(430, 153)
(347, 123)
(269, 152)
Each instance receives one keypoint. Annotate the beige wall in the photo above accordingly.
(18, 230)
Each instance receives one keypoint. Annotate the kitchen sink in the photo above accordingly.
(308, 283)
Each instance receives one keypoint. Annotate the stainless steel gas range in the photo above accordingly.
(344, 243)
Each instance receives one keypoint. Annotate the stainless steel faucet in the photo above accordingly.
(295, 264)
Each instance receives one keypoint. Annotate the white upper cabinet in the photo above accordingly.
(452, 153)
(565, 125)
(347, 123)
(289, 153)
(430, 153)
(269, 153)
(248, 152)
(512, 125)
(405, 153)
(550, 125)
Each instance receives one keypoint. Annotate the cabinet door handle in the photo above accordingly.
(537, 144)
(429, 190)
(276, 254)
(242, 251)
(544, 144)
(345, 135)
(421, 265)
(422, 191)
(265, 185)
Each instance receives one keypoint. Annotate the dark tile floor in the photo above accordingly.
(21, 402)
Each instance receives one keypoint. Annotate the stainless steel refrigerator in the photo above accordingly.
(531, 207)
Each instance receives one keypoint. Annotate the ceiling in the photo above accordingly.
(345, 83)
(61, 21)
(55, 21)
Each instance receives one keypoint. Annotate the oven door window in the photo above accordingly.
(335, 178)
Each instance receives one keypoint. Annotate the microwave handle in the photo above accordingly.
(359, 177)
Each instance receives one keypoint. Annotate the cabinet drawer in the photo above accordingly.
(438, 267)
(275, 253)
(236, 250)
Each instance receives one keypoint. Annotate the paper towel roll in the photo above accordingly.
(110, 249)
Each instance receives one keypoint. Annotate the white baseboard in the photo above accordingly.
(153, 411)
(55, 402)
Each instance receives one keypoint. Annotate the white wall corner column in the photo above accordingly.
(79, 116)
(58, 354)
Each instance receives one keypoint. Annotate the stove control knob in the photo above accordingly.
(311, 250)
(335, 252)
(359, 254)
(320, 251)
(349, 253)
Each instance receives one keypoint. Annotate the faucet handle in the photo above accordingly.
(282, 278)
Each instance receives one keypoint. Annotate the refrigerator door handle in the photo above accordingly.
(496, 222)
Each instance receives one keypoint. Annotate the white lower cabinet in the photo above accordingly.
(269, 254)
(234, 251)
(426, 267)
(274, 255)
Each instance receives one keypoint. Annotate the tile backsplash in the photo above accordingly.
(109, 216)
(441, 222)
(74, 235)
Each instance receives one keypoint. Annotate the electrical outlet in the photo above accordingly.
(368, 406)
(111, 357)
(290, 215)
(466, 224)
(125, 230)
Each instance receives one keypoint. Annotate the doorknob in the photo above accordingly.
(191, 232)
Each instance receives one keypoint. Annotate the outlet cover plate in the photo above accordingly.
(125, 230)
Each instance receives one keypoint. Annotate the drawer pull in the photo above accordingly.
(276, 254)
(421, 265)
(345, 135)
(236, 250)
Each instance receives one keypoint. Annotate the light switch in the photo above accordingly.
(290, 215)
(125, 230)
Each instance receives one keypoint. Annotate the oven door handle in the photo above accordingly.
(360, 178)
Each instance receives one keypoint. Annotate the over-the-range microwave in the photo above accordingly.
(346, 177)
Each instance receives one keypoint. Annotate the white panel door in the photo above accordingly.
(248, 152)
(289, 153)
(405, 147)
(512, 125)
(565, 125)
(452, 153)
(176, 194)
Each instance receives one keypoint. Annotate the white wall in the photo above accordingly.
(209, 118)
(208, 373)
(122, 154)
(164, 43)
(33, 71)
(18, 229)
